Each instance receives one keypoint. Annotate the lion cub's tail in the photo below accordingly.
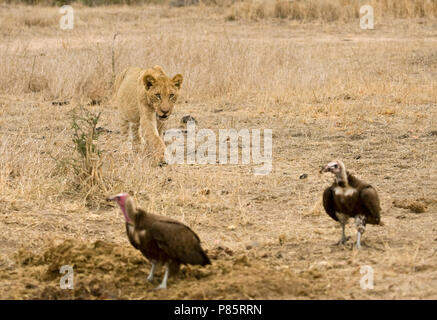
(118, 80)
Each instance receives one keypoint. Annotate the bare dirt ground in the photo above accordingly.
(327, 90)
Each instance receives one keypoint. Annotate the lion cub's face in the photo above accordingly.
(162, 92)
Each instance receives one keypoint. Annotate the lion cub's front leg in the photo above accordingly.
(151, 136)
(135, 133)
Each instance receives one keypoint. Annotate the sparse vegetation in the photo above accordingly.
(330, 10)
(89, 3)
(82, 160)
(88, 167)
(325, 87)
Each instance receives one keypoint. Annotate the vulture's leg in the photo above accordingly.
(152, 271)
(359, 240)
(343, 239)
(163, 284)
(343, 220)
(361, 225)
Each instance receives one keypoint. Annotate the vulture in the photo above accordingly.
(349, 197)
(160, 239)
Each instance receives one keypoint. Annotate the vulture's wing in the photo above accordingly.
(370, 198)
(130, 235)
(329, 204)
(178, 241)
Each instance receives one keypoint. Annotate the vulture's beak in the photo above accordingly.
(112, 198)
(324, 169)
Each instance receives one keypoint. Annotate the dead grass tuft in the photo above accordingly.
(416, 206)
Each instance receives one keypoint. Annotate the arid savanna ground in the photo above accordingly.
(327, 89)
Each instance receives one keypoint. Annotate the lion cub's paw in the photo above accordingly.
(162, 163)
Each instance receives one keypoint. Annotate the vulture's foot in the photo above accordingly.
(161, 287)
(361, 246)
(163, 284)
(343, 241)
(152, 272)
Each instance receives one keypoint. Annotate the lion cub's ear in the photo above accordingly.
(177, 80)
(148, 81)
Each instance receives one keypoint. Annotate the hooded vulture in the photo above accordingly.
(160, 239)
(348, 197)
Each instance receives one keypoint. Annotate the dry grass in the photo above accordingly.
(328, 90)
(329, 10)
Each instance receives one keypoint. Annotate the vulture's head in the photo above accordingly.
(336, 167)
(126, 204)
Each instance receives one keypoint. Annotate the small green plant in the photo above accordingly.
(88, 166)
(85, 134)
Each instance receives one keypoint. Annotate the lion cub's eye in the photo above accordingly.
(158, 96)
(171, 96)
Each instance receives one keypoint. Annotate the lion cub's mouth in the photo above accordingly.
(163, 117)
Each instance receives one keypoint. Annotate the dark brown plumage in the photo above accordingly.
(161, 239)
(349, 197)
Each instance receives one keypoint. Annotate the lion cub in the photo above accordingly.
(145, 99)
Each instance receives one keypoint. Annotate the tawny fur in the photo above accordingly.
(143, 97)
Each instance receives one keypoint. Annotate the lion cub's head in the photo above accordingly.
(161, 91)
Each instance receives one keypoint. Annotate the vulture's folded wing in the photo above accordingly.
(370, 199)
(329, 204)
(178, 241)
